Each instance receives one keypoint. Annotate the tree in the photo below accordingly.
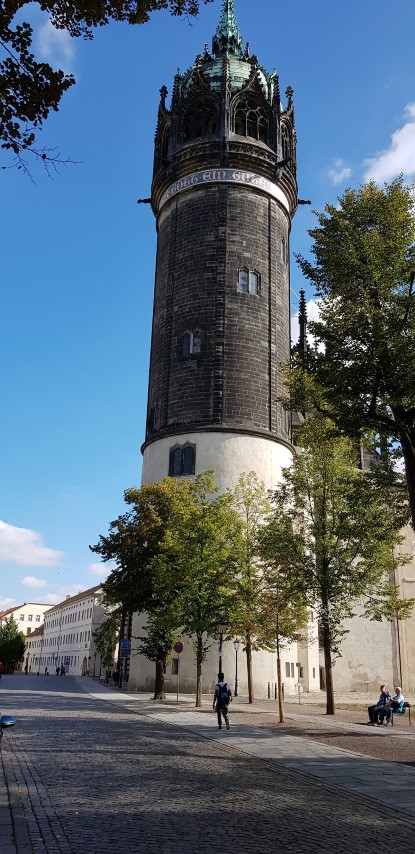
(12, 643)
(278, 545)
(157, 645)
(133, 542)
(29, 90)
(106, 636)
(364, 274)
(172, 551)
(340, 531)
(251, 618)
(194, 566)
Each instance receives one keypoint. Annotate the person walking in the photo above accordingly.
(221, 700)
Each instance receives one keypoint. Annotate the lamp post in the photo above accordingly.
(222, 626)
(95, 662)
(236, 645)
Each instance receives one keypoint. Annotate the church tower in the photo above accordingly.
(223, 194)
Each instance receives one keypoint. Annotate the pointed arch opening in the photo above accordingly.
(250, 119)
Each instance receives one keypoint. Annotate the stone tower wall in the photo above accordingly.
(205, 237)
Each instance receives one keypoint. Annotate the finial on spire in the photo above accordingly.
(227, 39)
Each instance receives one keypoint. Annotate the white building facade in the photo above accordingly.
(68, 635)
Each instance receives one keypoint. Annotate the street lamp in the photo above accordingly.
(236, 645)
(222, 626)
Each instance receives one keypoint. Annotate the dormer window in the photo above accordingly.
(248, 282)
(191, 343)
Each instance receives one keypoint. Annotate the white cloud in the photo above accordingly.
(60, 594)
(340, 172)
(32, 581)
(100, 569)
(25, 547)
(6, 603)
(56, 46)
(399, 158)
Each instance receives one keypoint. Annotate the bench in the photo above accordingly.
(402, 712)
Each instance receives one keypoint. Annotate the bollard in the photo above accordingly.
(275, 691)
(269, 690)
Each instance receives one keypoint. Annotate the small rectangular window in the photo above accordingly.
(38, 618)
(243, 281)
(253, 283)
(21, 618)
(314, 672)
(175, 667)
(292, 670)
(197, 342)
(30, 618)
(287, 669)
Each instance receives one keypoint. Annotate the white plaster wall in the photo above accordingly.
(229, 454)
(368, 656)
(142, 671)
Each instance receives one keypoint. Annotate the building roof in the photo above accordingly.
(70, 599)
(24, 604)
(36, 632)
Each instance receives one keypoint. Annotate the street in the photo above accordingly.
(88, 776)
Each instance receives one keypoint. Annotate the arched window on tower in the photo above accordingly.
(182, 459)
(200, 119)
(250, 120)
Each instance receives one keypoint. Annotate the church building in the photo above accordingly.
(224, 192)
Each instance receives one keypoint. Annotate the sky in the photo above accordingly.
(78, 253)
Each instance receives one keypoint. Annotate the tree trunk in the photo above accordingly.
(248, 649)
(279, 686)
(199, 661)
(408, 450)
(159, 691)
(329, 670)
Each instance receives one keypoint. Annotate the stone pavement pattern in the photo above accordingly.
(94, 776)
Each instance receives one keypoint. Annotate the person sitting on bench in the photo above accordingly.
(374, 711)
(395, 705)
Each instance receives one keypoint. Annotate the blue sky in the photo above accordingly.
(78, 253)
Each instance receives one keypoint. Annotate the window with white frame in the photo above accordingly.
(248, 281)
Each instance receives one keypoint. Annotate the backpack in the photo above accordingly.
(223, 694)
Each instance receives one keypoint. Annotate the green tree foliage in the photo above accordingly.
(12, 644)
(286, 593)
(364, 274)
(157, 645)
(106, 636)
(29, 89)
(194, 565)
(337, 528)
(172, 550)
(253, 608)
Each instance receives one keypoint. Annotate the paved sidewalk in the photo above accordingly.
(389, 783)
(7, 837)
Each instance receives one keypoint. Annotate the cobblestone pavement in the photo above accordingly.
(89, 776)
